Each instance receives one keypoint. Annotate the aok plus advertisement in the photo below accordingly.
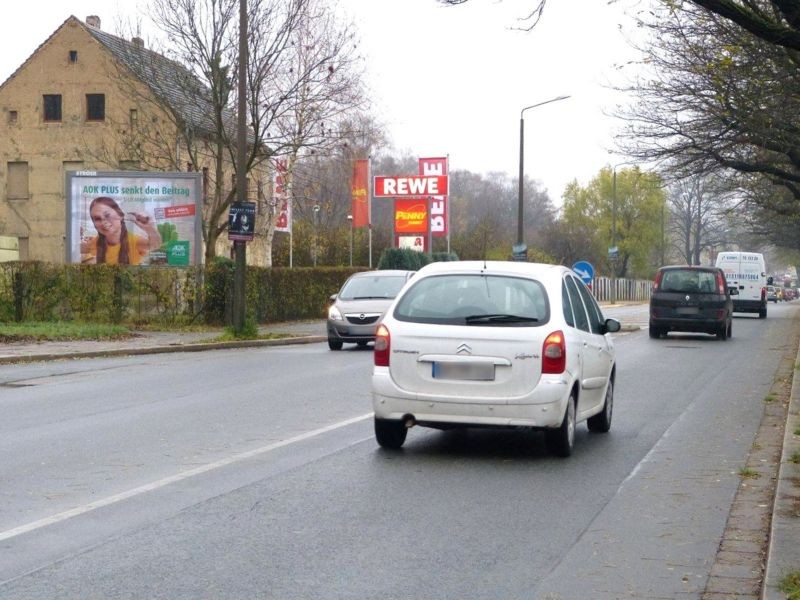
(133, 218)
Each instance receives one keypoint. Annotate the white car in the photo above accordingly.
(494, 344)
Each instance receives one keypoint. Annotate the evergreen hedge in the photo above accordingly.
(36, 291)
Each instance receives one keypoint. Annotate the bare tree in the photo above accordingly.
(697, 207)
(304, 82)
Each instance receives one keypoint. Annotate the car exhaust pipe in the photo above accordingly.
(409, 421)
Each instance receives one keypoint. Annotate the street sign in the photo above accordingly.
(584, 270)
(519, 252)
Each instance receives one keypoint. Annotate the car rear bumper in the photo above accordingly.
(749, 305)
(544, 407)
(693, 325)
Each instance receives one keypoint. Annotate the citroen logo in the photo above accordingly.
(464, 349)
(362, 316)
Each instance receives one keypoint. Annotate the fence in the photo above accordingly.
(628, 290)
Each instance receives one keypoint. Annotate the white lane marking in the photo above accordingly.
(149, 487)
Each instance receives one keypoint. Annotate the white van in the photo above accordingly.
(747, 272)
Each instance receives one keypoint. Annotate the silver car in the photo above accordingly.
(494, 344)
(356, 310)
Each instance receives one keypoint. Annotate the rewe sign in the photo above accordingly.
(409, 185)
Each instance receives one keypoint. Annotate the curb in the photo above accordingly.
(192, 347)
(783, 552)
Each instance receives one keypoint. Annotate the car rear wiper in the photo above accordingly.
(499, 318)
(369, 298)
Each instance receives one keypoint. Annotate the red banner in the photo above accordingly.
(360, 193)
(439, 220)
(283, 219)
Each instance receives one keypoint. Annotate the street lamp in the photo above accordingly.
(520, 217)
(316, 217)
(613, 251)
(350, 218)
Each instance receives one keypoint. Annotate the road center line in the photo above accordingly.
(154, 485)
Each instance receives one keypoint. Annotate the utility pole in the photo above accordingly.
(240, 246)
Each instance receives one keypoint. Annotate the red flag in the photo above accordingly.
(360, 193)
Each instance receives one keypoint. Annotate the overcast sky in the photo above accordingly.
(452, 80)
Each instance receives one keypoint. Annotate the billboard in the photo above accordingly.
(135, 218)
(409, 185)
(412, 242)
(439, 217)
(411, 215)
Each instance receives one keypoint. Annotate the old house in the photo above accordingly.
(89, 100)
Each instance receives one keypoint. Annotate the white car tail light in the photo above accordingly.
(382, 346)
(554, 353)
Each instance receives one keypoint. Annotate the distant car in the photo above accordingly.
(355, 311)
(789, 294)
(772, 294)
(693, 299)
(494, 344)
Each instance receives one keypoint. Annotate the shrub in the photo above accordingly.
(402, 258)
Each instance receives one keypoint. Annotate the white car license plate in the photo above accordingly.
(463, 371)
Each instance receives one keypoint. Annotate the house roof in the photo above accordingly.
(169, 80)
(173, 83)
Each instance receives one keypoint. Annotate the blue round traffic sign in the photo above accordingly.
(584, 270)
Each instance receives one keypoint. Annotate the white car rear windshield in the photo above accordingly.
(478, 299)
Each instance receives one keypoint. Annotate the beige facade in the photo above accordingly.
(74, 72)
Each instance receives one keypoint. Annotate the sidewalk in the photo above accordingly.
(784, 545)
(158, 342)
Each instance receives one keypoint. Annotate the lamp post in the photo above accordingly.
(613, 248)
(520, 217)
(316, 217)
(350, 218)
(613, 251)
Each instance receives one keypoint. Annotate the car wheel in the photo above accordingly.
(655, 332)
(601, 422)
(730, 329)
(762, 313)
(561, 441)
(390, 434)
(722, 332)
(335, 344)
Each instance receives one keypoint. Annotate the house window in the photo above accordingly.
(17, 181)
(72, 165)
(9, 248)
(13, 117)
(73, 56)
(95, 107)
(134, 117)
(52, 107)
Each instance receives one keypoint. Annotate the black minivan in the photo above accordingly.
(691, 298)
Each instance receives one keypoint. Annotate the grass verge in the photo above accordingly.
(790, 585)
(61, 331)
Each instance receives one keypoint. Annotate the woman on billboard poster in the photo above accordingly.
(114, 244)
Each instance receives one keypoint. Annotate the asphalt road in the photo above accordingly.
(253, 474)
